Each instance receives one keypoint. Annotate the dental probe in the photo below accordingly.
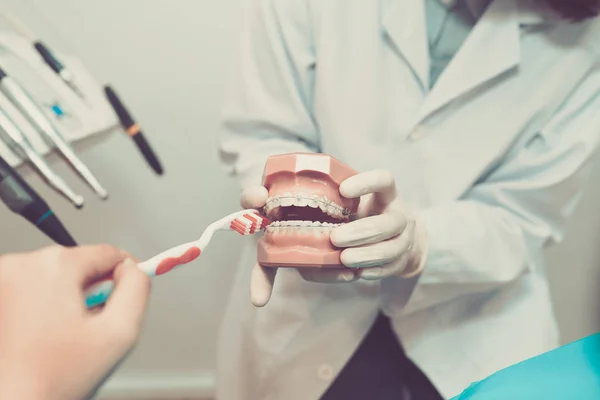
(30, 109)
(65, 75)
(49, 58)
(20, 145)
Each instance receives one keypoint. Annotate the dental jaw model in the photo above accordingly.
(304, 206)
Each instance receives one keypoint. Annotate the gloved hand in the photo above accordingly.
(385, 239)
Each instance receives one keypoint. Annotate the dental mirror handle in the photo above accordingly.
(19, 143)
(26, 104)
(53, 179)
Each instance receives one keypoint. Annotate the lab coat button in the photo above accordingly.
(325, 372)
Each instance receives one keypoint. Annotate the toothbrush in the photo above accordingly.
(245, 222)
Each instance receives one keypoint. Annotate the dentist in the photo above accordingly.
(474, 124)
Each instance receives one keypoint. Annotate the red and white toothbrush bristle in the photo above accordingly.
(249, 223)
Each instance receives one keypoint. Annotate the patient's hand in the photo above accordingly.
(51, 346)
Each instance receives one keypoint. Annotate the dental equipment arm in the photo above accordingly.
(260, 118)
(491, 236)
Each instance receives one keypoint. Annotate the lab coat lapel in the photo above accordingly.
(492, 48)
(405, 25)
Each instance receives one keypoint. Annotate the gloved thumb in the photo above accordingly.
(254, 197)
(261, 284)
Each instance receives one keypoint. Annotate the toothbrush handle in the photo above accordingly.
(99, 292)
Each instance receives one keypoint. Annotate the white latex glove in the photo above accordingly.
(385, 240)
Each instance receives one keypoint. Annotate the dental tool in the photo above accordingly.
(133, 129)
(18, 142)
(65, 74)
(21, 199)
(245, 222)
(35, 115)
(47, 55)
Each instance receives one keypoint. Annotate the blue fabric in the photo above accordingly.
(569, 372)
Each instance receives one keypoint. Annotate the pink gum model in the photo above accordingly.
(304, 206)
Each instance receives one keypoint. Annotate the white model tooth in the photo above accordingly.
(268, 207)
(331, 210)
(323, 203)
(312, 201)
(300, 200)
(287, 200)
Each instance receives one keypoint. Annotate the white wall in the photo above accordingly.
(167, 58)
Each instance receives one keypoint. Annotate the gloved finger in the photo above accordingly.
(380, 182)
(254, 197)
(384, 271)
(326, 275)
(369, 230)
(375, 254)
(261, 284)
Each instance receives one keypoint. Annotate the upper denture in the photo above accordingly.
(304, 205)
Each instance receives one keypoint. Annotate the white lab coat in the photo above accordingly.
(494, 158)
